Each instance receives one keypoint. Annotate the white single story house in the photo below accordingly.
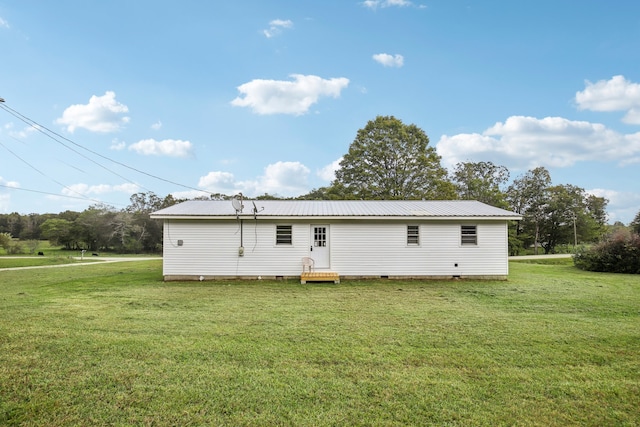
(206, 240)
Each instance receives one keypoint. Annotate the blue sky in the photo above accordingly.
(262, 97)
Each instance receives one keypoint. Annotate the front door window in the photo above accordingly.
(320, 237)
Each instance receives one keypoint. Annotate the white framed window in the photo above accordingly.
(413, 235)
(320, 236)
(469, 235)
(284, 235)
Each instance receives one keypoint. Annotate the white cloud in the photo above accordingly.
(227, 161)
(276, 26)
(191, 194)
(623, 205)
(218, 182)
(613, 196)
(281, 178)
(90, 190)
(287, 97)
(5, 197)
(526, 142)
(4, 23)
(374, 4)
(389, 60)
(632, 117)
(102, 114)
(117, 145)
(615, 94)
(328, 173)
(166, 147)
(284, 179)
(24, 133)
(157, 125)
(10, 184)
(5, 202)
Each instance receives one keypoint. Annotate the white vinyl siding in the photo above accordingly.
(449, 257)
(439, 253)
(352, 251)
(357, 248)
(210, 248)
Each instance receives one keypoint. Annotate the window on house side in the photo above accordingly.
(413, 235)
(468, 235)
(283, 235)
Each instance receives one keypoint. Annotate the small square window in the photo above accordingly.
(468, 235)
(413, 235)
(283, 235)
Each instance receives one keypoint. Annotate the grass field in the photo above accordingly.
(36, 261)
(115, 345)
(24, 261)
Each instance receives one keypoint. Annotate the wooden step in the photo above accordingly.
(319, 276)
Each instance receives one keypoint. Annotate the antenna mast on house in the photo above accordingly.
(255, 210)
(238, 206)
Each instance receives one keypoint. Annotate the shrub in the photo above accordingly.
(618, 253)
(33, 245)
(5, 240)
(15, 248)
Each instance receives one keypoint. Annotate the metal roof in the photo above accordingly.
(336, 209)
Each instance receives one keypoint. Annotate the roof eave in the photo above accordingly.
(343, 217)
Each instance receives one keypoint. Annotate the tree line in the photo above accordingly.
(97, 228)
(388, 160)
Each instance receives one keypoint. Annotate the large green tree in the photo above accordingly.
(389, 160)
(150, 202)
(595, 218)
(555, 215)
(134, 230)
(571, 216)
(59, 232)
(563, 210)
(481, 181)
(332, 192)
(527, 195)
(93, 227)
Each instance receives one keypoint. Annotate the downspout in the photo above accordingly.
(241, 248)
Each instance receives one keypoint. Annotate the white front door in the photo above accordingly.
(320, 246)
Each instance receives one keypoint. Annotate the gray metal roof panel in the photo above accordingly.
(337, 208)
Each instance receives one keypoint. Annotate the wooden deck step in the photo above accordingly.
(319, 276)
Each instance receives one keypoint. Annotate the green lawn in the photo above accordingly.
(114, 345)
(25, 261)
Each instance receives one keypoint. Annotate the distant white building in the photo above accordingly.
(206, 240)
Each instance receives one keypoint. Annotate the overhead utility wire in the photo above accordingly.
(46, 176)
(49, 194)
(39, 127)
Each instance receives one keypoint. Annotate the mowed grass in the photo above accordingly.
(115, 345)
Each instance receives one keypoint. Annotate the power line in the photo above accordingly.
(50, 132)
(45, 175)
(40, 128)
(54, 194)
